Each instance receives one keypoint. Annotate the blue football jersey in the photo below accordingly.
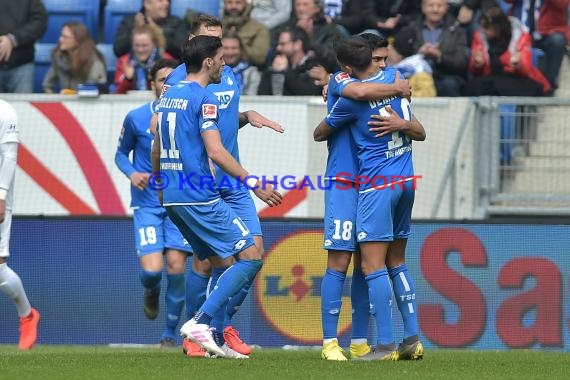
(342, 161)
(378, 158)
(227, 92)
(186, 111)
(136, 137)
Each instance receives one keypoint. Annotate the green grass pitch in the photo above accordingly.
(102, 362)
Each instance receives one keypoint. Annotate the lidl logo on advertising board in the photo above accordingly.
(288, 287)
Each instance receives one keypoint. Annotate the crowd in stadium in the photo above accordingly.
(285, 47)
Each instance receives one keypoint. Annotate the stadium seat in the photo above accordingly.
(508, 120)
(42, 60)
(111, 61)
(179, 7)
(62, 11)
(115, 10)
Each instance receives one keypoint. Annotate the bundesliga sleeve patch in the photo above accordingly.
(165, 88)
(340, 77)
(209, 111)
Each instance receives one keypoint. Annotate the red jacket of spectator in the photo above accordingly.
(123, 85)
(521, 42)
(554, 18)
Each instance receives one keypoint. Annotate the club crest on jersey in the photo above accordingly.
(228, 80)
(209, 111)
(225, 98)
(341, 77)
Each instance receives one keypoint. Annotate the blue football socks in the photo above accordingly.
(331, 302)
(360, 305)
(196, 285)
(405, 293)
(230, 283)
(174, 302)
(380, 293)
(150, 280)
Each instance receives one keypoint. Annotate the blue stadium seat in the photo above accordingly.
(179, 7)
(115, 10)
(111, 61)
(62, 11)
(508, 120)
(42, 60)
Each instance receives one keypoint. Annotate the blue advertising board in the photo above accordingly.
(480, 286)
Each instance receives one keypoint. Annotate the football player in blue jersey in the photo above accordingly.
(230, 121)
(340, 215)
(156, 237)
(188, 136)
(386, 185)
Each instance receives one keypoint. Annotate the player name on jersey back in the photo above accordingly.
(176, 103)
(381, 102)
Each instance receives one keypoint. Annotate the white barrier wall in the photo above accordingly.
(66, 160)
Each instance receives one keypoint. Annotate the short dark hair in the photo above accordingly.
(354, 51)
(233, 35)
(375, 41)
(298, 34)
(196, 50)
(207, 20)
(161, 64)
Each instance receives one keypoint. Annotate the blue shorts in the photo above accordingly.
(386, 214)
(211, 229)
(240, 201)
(154, 232)
(340, 217)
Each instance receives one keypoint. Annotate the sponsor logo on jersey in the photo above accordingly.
(225, 98)
(288, 288)
(361, 236)
(209, 111)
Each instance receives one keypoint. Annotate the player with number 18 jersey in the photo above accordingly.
(386, 197)
(342, 166)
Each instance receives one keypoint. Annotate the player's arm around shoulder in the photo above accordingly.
(370, 91)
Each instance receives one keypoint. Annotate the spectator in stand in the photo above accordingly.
(548, 26)
(390, 16)
(75, 60)
(271, 13)
(254, 35)
(247, 75)
(22, 23)
(309, 16)
(501, 59)
(289, 71)
(153, 12)
(470, 8)
(348, 15)
(412, 66)
(437, 36)
(469, 12)
(133, 68)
